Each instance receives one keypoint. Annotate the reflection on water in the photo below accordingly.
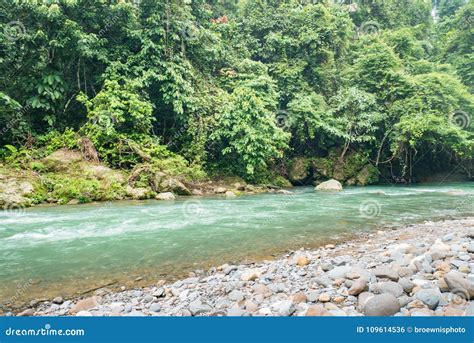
(54, 250)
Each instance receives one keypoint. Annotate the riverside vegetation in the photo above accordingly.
(108, 100)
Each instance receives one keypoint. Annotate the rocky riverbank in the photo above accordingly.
(66, 177)
(420, 270)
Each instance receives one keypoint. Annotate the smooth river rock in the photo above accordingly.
(430, 297)
(381, 305)
(331, 185)
(86, 304)
(167, 196)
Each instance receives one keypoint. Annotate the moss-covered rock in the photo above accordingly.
(299, 171)
(62, 160)
(355, 169)
(323, 168)
(367, 176)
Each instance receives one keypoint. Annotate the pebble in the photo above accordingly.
(299, 297)
(229, 269)
(358, 287)
(86, 304)
(236, 295)
(302, 261)
(386, 272)
(312, 297)
(390, 287)
(148, 298)
(197, 307)
(324, 297)
(430, 297)
(58, 300)
(262, 289)
(155, 307)
(285, 308)
(449, 237)
(250, 275)
(26, 313)
(326, 266)
(315, 311)
(160, 292)
(470, 248)
(406, 284)
(338, 272)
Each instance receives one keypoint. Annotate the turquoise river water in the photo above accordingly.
(66, 250)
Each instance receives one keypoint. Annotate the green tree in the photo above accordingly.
(360, 118)
(248, 132)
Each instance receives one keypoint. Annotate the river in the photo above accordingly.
(65, 250)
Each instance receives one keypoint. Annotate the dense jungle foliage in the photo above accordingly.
(260, 89)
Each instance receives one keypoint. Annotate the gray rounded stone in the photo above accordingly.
(430, 297)
(381, 305)
(155, 307)
(390, 287)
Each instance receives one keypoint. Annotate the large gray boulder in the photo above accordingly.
(331, 185)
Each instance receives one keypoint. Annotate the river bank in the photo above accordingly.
(419, 270)
(66, 177)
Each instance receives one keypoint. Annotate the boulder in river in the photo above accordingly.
(167, 196)
(331, 185)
